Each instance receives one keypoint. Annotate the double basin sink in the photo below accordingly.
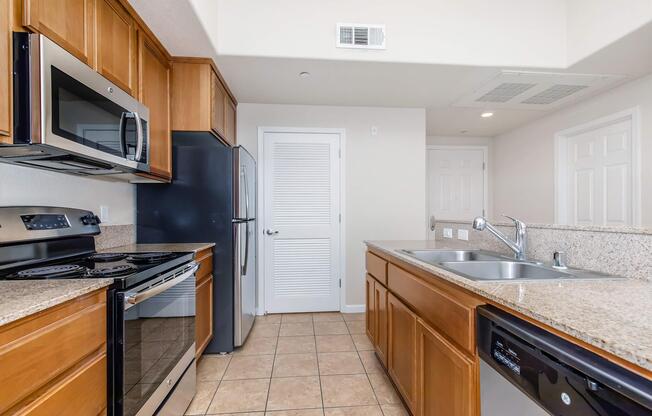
(483, 265)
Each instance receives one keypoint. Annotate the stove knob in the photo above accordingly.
(90, 219)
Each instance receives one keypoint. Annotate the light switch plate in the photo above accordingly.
(448, 233)
(104, 213)
(463, 235)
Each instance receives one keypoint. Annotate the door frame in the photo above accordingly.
(561, 161)
(485, 159)
(260, 261)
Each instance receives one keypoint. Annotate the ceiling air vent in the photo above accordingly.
(530, 90)
(360, 36)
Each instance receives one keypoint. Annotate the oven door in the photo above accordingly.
(155, 340)
(83, 113)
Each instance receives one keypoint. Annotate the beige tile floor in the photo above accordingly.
(318, 364)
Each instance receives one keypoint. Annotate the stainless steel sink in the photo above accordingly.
(436, 257)
(504, 270)
(488, 266)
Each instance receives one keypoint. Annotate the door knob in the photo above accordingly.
(271, 232)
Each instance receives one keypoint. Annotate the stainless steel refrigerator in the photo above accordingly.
(212, 198)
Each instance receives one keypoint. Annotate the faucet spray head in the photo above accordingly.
(479, 223)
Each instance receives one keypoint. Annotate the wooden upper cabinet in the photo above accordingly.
(218, 101)
(69, 23)
(230, 121)
(200, 101)
(116, 44)
(5, 70)
(402, 350)
(154, 92)
(447, 377)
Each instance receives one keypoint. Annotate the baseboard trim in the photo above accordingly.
(353, 308)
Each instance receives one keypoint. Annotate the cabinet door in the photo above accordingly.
(380, 301)
(69, 23)
(116, 44)
(204, 311)
(229, 121)
(154, 92)
(5, 70)
(218, 96)
(370, 315)
(402, 351)
(447, 381)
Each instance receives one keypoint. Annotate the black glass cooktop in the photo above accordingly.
(125, 268)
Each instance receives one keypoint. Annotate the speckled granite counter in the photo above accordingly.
(25, 297)
(614, 315)
(176, 247)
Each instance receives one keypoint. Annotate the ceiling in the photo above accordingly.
(435, 87)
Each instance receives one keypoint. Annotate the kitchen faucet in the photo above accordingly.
(518, 247)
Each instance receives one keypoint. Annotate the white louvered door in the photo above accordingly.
(301, 222)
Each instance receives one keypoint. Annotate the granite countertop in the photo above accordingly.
(613, 315)
(176, 247)
(22, 298)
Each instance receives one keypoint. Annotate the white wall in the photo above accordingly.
(523, 160)
(594, 24)
(28, 186)
(474, 32)
(385, 174)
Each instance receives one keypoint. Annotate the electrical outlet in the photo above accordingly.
(463, 235)
(374, 130)
(448, 233)
(104, 213)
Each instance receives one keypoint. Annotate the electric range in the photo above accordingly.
(150, 305)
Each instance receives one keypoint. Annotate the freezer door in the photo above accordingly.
(245, 279)
(245, 186)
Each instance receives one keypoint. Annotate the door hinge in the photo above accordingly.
(339, 218)
(339, 153)
(484, 166)
(340, 283)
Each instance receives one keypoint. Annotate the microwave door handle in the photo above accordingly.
(136, 298)
(140, 137)
(122, 134)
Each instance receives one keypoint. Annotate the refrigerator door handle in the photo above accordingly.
(246, 253)
(246, 191)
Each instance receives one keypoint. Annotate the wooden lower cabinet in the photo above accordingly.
(446, 377)
(380, 339)
(203, 301)
(54, 362)
(370, 315)
(402, 350)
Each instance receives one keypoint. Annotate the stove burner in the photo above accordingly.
(52, 272)
(107, 257)
(113, 271)
(148, 257)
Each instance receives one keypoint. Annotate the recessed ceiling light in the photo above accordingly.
(487, 114)
(304, 74)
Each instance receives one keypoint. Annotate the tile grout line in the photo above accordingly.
(269, 387)
(321, 390)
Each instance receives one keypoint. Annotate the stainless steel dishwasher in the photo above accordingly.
(527, 371)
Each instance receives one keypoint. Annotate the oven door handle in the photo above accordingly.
(138, 297)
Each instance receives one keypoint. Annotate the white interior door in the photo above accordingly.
(599, 176)
(456, 185)
(301, 221)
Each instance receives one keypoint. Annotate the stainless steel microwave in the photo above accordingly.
(69, 118)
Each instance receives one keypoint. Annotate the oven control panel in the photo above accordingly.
(30, 223)
(45, 221)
